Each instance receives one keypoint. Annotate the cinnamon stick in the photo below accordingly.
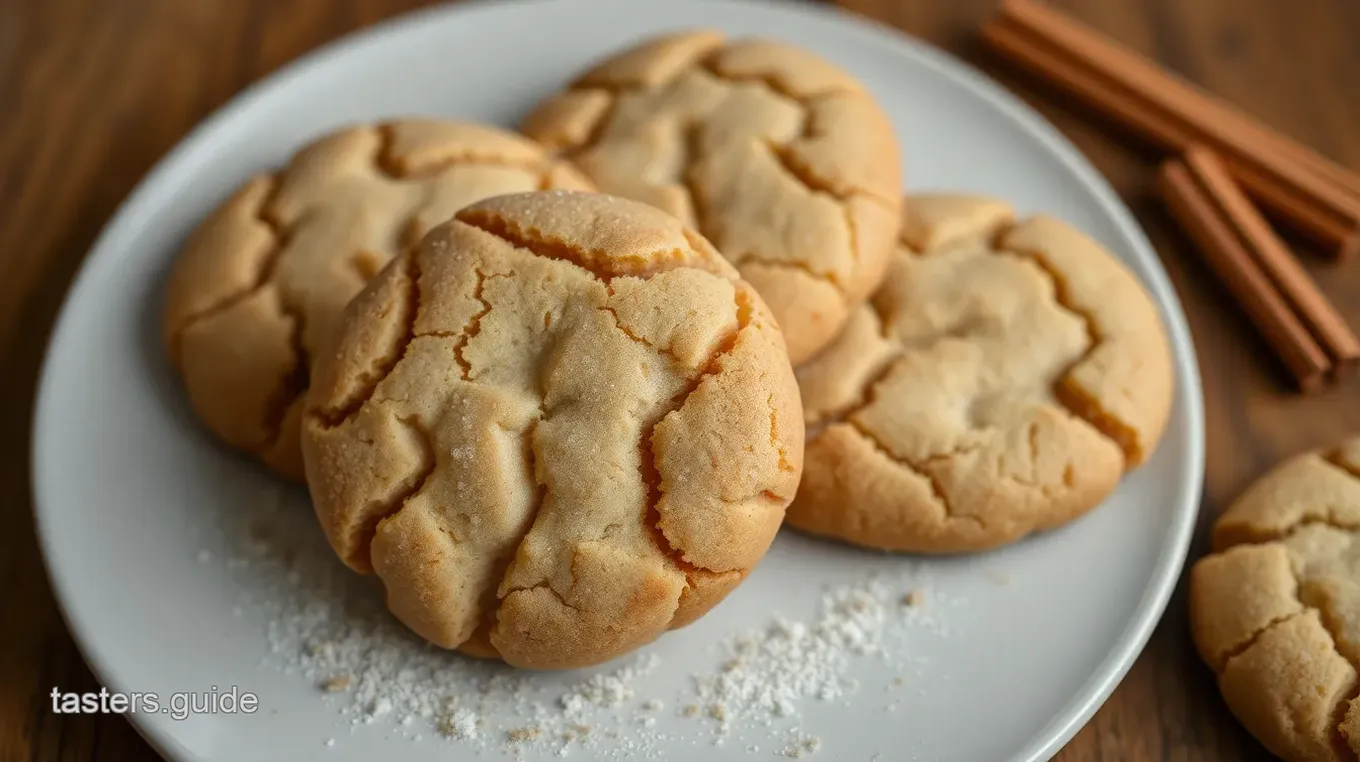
(1326, 325)
(1298, 187)
(1170, 88)
(1230, 246)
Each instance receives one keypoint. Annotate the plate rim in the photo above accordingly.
(1125, 650)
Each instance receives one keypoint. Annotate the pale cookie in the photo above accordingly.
(784, 161)
(559, 428)
(261, 282)
(1000, 382)
(1276, 610)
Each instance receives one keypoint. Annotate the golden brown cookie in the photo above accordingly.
(559, 428)
(1275, 611)
(260, 284)
(1001, 381)
(784, 161)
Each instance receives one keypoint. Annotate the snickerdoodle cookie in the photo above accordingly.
(784, 161)
(261, 282)
(1001, 381)
(1276, 610)
(558, 428)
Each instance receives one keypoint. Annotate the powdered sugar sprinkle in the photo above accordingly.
(328, 626)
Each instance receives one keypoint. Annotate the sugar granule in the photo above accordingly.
(330, 627)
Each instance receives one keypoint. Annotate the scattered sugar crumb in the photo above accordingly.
(522, 735)
(329, 628)
(461, 724)
(802, 745)
(336, 684)
(330, 742)
(379, 707)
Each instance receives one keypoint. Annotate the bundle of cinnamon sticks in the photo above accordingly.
(1221, 161)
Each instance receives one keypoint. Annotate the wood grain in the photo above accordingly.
(93, 92)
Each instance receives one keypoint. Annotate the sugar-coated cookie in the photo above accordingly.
(260, 284)
(558, 428)
(784, 161)
(1001, 381)
(1275, 611)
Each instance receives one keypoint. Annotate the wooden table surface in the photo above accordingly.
(93, 92)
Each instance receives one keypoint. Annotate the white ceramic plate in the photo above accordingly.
(137, 507)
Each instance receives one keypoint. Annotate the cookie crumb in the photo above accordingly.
(690, 710)
(718, 711)
(653, 705)
(336, 684)
(999, 577)
(914, 599)
(523, 735)
(461, 724)
(803, 746)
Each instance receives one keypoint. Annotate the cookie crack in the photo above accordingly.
(1337, 460)
(1338, 712)
(294, 385)
(784, 464)
(371, 378)
(474, 326)
(862, 400)
(598, 263)
(796, 168)
(1332, 629)
(492, 598)
(377, 511)
(263, 278)
(651, 474)
(597, 128)
(807, 105)
(1240, 648)
(666, 352)
(773, 83)
(1252, 536)
(542, 586)
(399, 168)
(1078, 401)
(922, 470)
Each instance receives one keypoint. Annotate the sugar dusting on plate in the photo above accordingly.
(328, 626)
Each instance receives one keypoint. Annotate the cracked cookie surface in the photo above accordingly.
(784, 161)
(556, 429)
(1275, 611)
(1000, 381)
(260, 284)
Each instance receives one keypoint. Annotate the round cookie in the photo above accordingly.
(1000, 381)
(785, 162)
(260, 283)
(1275, 611)
(558, 428)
